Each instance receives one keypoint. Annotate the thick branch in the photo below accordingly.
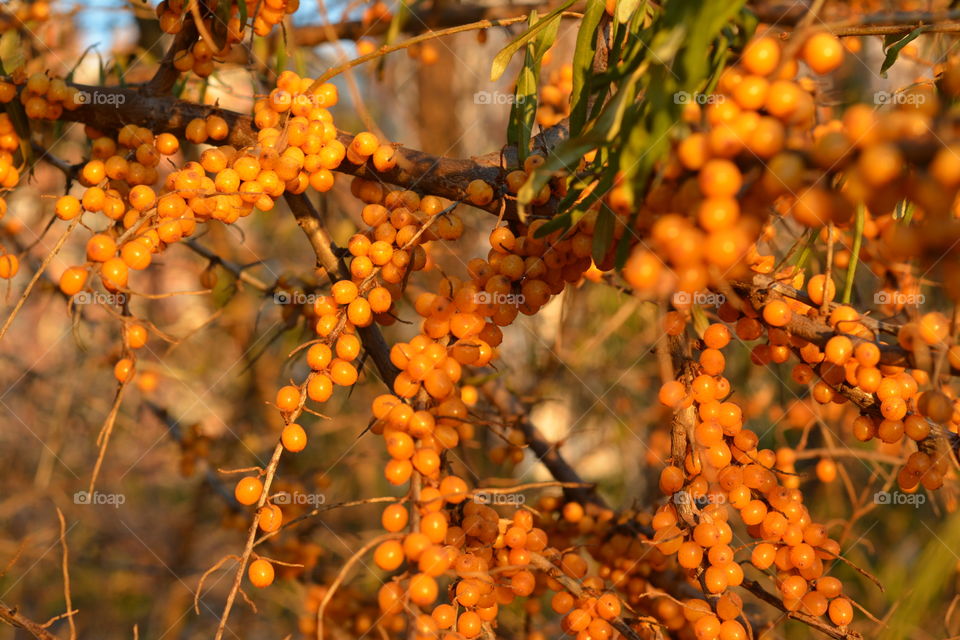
(13, 618)
(166, 76)
(110, 108)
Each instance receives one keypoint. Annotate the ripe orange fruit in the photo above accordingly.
(248, 490)
(720, 179)
(822, 52)
(294, 438)
(288, 398)
(260, 573)
(819, 288)
(101, 248)
(271, 518)
(389, 555)
(777, 313)
(72, 280)
(67, 208)
(394, 518)
(761, 56)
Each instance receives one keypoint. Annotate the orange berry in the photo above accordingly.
(394, 518)
(101, 248)
(294, 438)
(777, 313)
(822, 52)
(288, 398)
(68, 208)
(248, 490)
(260, 573)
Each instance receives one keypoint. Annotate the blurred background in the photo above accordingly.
(216, 358)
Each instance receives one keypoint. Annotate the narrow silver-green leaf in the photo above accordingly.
(503, 58)
(583, 55)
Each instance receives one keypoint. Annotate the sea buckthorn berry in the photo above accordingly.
(72, 280)
(820, 289)
(822, 52)
(261, 573)
(271, 518)
(389, 555)
(841, 611)
(136, 336)
(761, 56)
(479, 193)
(394, 518)
(502, 240)
(196, 131)
(68, 208)
(101, 248)
(777, 313)
(294, 438)
(248, 490)
(288, 398)
(720, 179)
(672, 394)
(364, 143)
(344, 292)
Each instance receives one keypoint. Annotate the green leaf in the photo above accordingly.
(503, 58)
(396, 24)
(893, 50)
(11, 51)
(523, 112)
(903, 212)
(854, 254)
(218, 28)
(625, 9)
(583, 63)
(603, 233)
